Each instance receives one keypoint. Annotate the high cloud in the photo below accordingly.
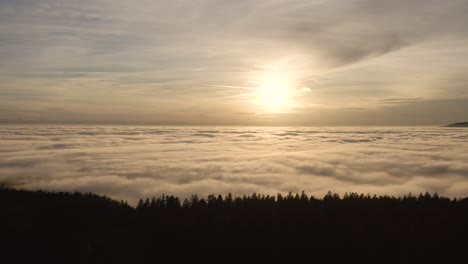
(128, 162)
(73, 61)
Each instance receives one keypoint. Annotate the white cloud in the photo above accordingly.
(132, 162)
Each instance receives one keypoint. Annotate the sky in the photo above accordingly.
(132, 162)
(223, 62)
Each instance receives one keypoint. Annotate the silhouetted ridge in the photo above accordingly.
(462, 124)
(87, 228)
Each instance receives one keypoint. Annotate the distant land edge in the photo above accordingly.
(461, 124)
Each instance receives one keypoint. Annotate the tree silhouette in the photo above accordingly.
(91, 227)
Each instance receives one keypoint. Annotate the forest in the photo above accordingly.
(74, 227)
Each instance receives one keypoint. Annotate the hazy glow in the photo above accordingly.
(224, 62)
(275, 92)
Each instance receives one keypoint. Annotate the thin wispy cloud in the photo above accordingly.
(156, 58)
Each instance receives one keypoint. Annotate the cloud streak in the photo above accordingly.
(193, 58)
(131, 162)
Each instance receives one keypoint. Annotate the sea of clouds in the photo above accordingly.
(129, 162)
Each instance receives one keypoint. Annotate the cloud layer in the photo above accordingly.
(130, 162)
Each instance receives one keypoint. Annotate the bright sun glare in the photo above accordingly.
(274, 92)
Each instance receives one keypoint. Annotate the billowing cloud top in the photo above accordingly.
(199, 62)
(129, 162)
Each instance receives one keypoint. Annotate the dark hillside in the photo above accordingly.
(462, 124)
(87, 228)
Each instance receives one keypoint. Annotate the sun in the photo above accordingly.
(274, 93)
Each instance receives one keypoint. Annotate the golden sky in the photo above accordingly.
(207, 62)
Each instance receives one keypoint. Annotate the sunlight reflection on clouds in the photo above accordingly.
(128, 162)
